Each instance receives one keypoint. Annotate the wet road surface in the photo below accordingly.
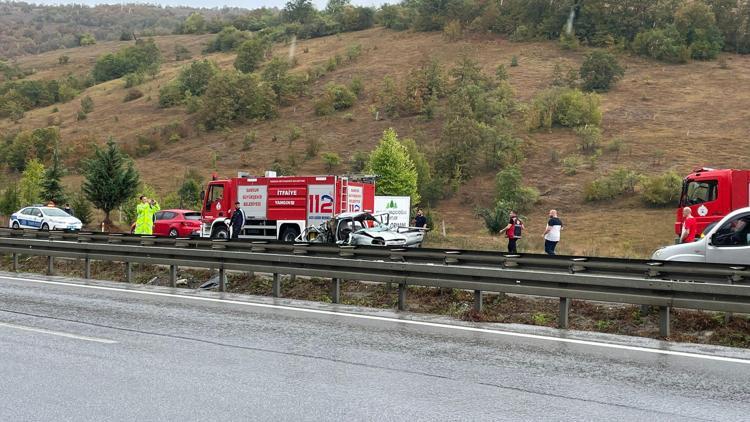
(71, 352)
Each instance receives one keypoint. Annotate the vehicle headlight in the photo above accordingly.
(657, 253)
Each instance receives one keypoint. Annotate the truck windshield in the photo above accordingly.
(215, 194)
(699, 191)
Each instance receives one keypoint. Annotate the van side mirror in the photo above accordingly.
(203, 195)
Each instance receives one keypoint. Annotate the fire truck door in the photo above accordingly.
(216, 205)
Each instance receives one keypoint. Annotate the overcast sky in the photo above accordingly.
(247, 4)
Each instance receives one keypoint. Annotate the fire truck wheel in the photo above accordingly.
(289, 234)
(220, 233)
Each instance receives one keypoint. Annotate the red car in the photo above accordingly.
(176, 223)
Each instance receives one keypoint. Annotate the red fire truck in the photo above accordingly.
(281, 207)
(712, 194)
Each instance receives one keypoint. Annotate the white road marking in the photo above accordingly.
(57, 333)
(400, 321)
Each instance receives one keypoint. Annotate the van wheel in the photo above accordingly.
(45, 227)
(220, 233)
(15, 225)
(289, 234)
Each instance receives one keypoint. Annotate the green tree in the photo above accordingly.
(52, 188)
(81, 208)
(189, 192)
(250, 55)
(396, 172)
(510, 190)
(600, 70)
(331, 160)
(10, 201)
(31, 182)
(196, 76)
(300, 11)
(110, 178)
(194, 24)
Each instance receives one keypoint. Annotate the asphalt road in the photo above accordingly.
(70, 352)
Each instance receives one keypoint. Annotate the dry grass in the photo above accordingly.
(689, 112)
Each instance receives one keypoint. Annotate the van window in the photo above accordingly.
(698, 192)
(734, 232)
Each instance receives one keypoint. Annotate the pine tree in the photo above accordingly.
(52, 189)
(10, 201)
(391, 162)
(111, 179)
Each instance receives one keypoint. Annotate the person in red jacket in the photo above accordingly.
(689, 226)
(513, 232)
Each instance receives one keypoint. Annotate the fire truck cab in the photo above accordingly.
(712, 194)
(280, 208)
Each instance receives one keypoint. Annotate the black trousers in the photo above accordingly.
(236, 232)
(512, 246)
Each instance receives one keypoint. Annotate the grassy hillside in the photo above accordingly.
(669, 117)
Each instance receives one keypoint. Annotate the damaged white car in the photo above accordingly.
(363, 229)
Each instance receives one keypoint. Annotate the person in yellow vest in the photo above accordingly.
(144, 224)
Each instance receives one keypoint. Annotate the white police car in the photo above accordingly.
(44, 218)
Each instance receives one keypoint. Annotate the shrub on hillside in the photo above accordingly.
(181, 53)
(697, 23)
(571, 164)
(170, 95)
(589, 138)
(611, 186)
(662, 44)
(496, 218)
(133, 94)
(564, 107)
(194, 78)
(144, 56)
(600, 70)
(661, 190)
(227, 39)
(250, 55)
(509, 189)
(134, 79)
(87, 104)
(337, 97)
(234, 96)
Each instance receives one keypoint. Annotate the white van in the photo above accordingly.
(727, 242)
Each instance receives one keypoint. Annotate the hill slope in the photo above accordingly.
(669, 117)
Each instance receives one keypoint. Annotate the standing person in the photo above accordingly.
(237, 220)
(67, 209)
(552, 233)
(513, 232)
(689, 226)
(144, 224)
(420, 220)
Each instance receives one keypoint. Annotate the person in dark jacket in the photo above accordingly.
(237, 220)
(67, 209)
(420, 220)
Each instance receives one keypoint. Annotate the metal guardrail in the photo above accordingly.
(600, 279)
(647, 269)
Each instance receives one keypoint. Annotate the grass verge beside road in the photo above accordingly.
(687, 325)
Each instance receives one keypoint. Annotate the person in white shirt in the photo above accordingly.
(552, 233)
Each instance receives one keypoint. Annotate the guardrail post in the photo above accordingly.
(478, 300)
(276, 286)
(664, 321)
(336, 290)
(401, 296)
(564, 312)
(50, 265)
(129, 272)
(173, 275)
(15, 262)
(222, 279)
(86, 268)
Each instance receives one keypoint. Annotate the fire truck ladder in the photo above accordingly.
(344, 201)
